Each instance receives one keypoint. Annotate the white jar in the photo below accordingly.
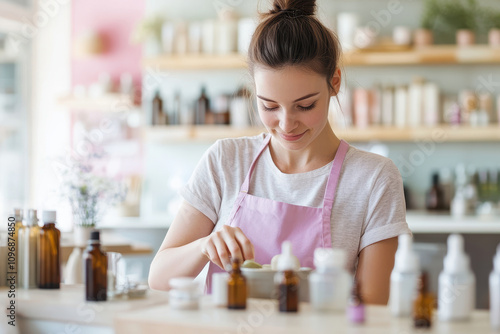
(246, 28)
(184, 293)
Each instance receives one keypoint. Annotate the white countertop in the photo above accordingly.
(262, 316)
(425, 222)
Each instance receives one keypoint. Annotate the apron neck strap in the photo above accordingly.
(246, 184)
(333, 179)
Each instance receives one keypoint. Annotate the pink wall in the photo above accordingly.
(115, 20)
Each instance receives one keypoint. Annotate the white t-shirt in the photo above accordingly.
(369, 204)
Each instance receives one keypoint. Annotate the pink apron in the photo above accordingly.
(267, 223)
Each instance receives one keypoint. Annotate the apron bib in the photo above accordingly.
(267, 223)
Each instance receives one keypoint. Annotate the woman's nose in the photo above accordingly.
(288, 122)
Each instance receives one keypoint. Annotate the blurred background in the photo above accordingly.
(134, 93)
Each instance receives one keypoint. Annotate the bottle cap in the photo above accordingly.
(183, 283)
(456, 261)
(18, 214)
(406, 258)
(496, 260)
(329, 258)
(94, 235)
(287, 261)
(49, 216)
(31, 218)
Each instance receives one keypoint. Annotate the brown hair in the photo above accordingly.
(290, 34)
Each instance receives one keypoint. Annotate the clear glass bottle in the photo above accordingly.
(12, 266)
(28, 251)
(49, 274)
(356, 307)
(236, 287)
(96, 266)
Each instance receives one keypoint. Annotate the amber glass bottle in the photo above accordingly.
(49, 273)
(96, 269)
(288, 292)
(423, 304)
(236, 287)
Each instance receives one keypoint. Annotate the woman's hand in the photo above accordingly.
(228, 242)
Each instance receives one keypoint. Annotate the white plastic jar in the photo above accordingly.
(184, 293)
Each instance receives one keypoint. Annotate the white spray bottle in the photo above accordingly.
(495, 292)
(457, 283)
(404, 278)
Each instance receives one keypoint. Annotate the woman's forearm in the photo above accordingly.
(187, 260)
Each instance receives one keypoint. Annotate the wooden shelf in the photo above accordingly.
(107, 103)
(436, 54)
(438, 134)
(425, 222)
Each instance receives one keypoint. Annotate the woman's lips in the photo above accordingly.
(291, 137)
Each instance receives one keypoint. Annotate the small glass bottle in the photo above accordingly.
(96, 266)
(28, 248)
(287, 280)
(356, 308)
(49, 274)
(159, 116)
(18, 215)
(236, 287)
(423, 304)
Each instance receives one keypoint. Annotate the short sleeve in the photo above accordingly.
(203, 190)
(386, 208)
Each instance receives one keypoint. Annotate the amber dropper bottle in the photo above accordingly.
(96, 268)
(49, 273)
(287, 279)
(424, 304)
(236, 287)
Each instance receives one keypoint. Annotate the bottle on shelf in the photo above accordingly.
(356, 306)
(287, 279)
(456, 283)
(388, 106)
(236, 287)
(416, 102)
(435, 196)
(202, 108)
(423, 304)
(28, 251)
(49, 274)
(329, 284)
(404, 278)
(221, 110)
(159, 116)
(495, 291)
(96, 266)
(447, 187)
(400, 106)
(12, 266)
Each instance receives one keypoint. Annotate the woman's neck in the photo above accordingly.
(318, 154)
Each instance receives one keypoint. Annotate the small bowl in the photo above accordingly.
(260, 283)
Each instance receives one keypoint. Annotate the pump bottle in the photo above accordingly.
(495, 292)
(287, 279)
(456, 284)
(404, 278)
(330, 283)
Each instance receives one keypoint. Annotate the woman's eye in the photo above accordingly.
(269, 109)
(309, 107)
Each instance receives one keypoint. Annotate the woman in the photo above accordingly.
(298, 182)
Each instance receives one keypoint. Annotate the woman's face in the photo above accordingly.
(293, 104)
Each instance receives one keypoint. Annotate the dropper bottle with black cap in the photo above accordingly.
(96, 266)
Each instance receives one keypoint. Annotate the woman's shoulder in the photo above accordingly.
(364, 162)
(240, 145)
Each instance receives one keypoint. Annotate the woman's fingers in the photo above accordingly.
(211, 252)
(222, 251)
(244, 244)
(233, 246)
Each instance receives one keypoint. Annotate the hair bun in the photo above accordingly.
(294, 7)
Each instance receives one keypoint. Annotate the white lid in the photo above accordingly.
(287, 261)
(329, 257)
(496, 260)
(49, 216)
(456, 261)
(184, 283)
(406, 258)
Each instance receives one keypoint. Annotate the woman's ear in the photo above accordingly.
(336, 81)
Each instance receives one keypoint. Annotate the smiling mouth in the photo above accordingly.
(291, 137)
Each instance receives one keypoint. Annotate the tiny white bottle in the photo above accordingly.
(404, 278)
(457, 283)
(495, 292)
(330, 283)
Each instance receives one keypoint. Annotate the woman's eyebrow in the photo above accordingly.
(299, 99)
